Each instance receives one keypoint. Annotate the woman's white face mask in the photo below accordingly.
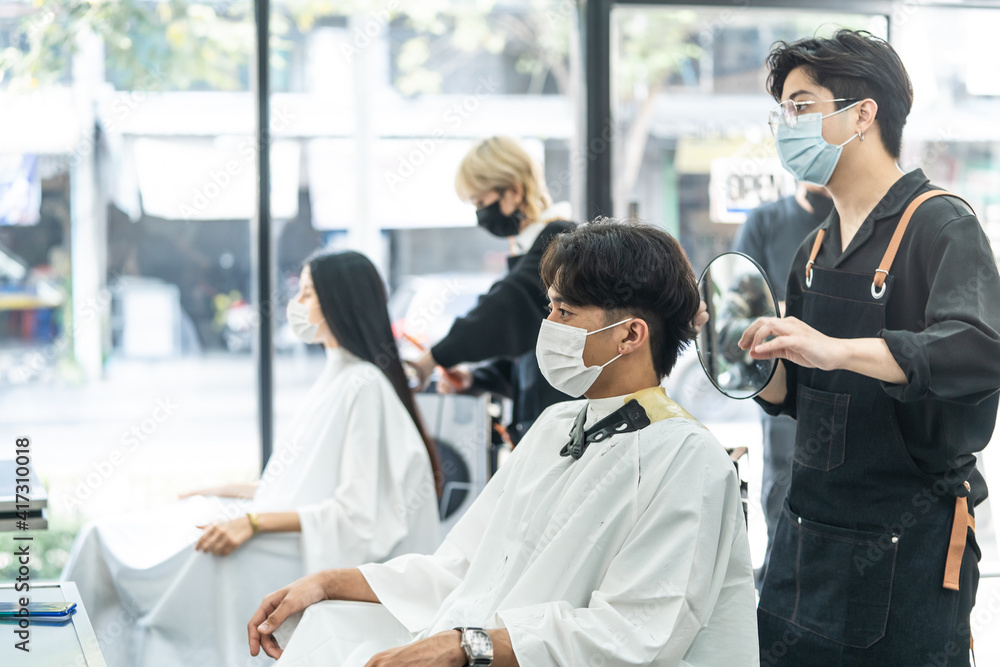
(560, 356)
(303, 305)
(298, 319)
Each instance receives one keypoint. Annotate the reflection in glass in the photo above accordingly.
(737, 293)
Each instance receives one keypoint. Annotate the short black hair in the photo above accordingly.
(628, 269)
(852, 64)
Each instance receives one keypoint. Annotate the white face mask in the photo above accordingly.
(298, 319)
(560, 357)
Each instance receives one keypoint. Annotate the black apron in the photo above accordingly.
(857, 569)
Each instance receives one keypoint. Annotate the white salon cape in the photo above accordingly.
(355, 469)
(635, 554)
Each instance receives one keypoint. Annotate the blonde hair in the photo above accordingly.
(500, 163)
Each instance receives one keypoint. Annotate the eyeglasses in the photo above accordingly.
(788, 112)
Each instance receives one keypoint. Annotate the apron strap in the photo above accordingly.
(882, 272)
(812, 257)
(956, 547)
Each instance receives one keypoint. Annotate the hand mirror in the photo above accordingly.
(737, 292)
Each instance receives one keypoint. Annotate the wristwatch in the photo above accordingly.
(477, 645)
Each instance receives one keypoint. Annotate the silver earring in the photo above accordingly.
(861, 136)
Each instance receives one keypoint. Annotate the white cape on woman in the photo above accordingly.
(355, 469)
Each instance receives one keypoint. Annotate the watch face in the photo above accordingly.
(480, 643)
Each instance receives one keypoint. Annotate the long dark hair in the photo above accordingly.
(353, 300)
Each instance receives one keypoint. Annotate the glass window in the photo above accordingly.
(125, 253)
(694, 152)
(952, 132)
(952, 135)
(392, 95)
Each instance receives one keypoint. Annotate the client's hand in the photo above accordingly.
(224, 491)
(210, 491)
(441, 650)
(224, 538)
(455, 380)
(278, 606)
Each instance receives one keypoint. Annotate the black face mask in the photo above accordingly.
(495, 222)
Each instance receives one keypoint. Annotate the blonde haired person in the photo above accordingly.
(508, 190)
(500, 164)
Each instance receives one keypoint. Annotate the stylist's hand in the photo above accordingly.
(701, 317)
(455, 380)
(422, 368)
(277, 607)
(794, 340)
(224, 538)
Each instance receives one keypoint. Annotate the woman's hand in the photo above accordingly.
(794, 340)
(224, 538)
(210, 491)
(441, 650)
(455, 380)
(224, 491)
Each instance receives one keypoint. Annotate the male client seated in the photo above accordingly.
(613, 535)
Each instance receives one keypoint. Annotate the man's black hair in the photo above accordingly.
(851, 64)
(629, 270)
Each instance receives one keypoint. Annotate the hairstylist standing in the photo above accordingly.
(890, 364)
(507, 188)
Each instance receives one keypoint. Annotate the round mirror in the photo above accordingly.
(736, 292)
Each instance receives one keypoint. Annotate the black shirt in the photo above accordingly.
(941, 322)
(503, 327)
(773, 232)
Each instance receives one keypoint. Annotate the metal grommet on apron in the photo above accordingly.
(851, 537)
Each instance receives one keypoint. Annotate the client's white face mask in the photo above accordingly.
(560, 356)
(298, 319)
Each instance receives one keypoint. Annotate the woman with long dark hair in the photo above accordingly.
(356, 480)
